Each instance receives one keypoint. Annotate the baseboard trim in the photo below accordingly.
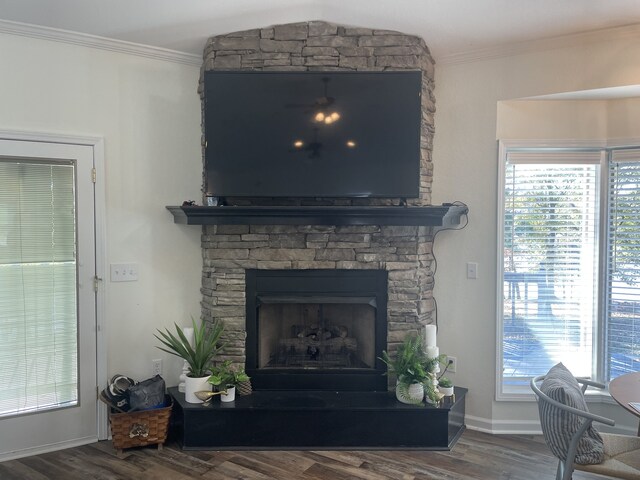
(503, 427)
(526, 427)
(52, 447)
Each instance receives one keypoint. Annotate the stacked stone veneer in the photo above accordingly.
(404, 251)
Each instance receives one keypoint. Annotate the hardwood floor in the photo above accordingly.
(477, 456)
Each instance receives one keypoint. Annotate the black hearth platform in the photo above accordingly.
(317, 420)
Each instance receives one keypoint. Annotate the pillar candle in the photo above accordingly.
(430, 335)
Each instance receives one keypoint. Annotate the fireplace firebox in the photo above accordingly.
(316, 329)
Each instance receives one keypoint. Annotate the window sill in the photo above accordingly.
(524, 394)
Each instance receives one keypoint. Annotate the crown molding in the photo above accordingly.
(550, 43)
(94, 41)
(156, 53)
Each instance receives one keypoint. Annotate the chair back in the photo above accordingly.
(551, 412)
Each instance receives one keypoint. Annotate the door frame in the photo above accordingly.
(97, 145)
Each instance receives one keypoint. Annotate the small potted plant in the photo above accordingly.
(198, 354)
(411, 368)
(445, 386)
(226, 376)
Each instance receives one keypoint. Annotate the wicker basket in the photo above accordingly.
(138, 429)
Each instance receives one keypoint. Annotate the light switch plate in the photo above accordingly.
(124, 272)
(472, 270)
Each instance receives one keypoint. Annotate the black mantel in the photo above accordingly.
(433, 215)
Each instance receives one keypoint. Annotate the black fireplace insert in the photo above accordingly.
(316, 329)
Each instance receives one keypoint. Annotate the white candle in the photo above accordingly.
(430, 335)
(432, 352)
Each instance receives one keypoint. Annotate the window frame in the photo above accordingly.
(605, 285)
(605, 148)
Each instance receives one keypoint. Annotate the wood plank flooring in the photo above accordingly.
(477, 456)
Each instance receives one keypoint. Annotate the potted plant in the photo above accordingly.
(411, 368)
(198, 354)
(226, 376)
(445, 386)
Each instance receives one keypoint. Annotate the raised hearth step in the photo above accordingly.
(317, 420)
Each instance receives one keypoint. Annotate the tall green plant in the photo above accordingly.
(199, 355)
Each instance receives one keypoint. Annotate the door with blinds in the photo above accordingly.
(47, 297)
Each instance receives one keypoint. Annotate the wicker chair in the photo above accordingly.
(621, 452)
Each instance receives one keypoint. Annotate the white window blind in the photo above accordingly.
(38, 312)
(550, 253)
(622, 341)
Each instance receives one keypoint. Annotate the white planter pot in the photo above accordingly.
(410, 394)
(446, 391)
(230, 396)
(195, 384)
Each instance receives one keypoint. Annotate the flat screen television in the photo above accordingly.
(312, 134)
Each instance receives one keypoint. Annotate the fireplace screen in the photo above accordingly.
(316, 329)
(316, 333)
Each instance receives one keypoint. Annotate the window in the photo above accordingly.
(570, 256)
(38, 313)
(622, 290)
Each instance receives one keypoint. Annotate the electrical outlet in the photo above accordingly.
(156, 366)
(453, 364)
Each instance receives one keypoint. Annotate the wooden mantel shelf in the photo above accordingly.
(433, 215)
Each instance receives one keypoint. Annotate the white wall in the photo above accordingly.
(552, 119)
(465, 168)
(623, 118)
(611, 120)
(148, 113)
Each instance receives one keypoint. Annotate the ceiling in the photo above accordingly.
(449, 27)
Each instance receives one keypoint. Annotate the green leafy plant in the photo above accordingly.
(410, 364)
(206, 345)
(445, 382)
(227, 374)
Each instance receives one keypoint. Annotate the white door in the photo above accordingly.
(47, 298)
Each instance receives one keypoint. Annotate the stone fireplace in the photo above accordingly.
(231, 252)
(312, 290)
(403, 253)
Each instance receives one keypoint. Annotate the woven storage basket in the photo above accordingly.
(138, 429)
